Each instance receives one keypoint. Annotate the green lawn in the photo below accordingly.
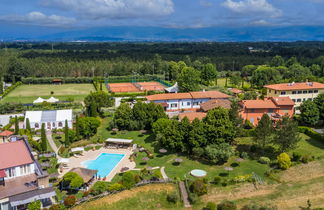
(221, 83)
(29, 93)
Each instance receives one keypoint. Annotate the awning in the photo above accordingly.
(124, 141)
(31, 196)
(77, 149)
(63, 160)
(3, 174)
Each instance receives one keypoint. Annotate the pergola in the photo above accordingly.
(119, 141)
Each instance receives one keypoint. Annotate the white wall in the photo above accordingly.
(18, 173)
(55, 125)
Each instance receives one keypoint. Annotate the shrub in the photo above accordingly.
(172, 198)
(36, 205)
(193, 198)
(85, 193)
(253, 148)
(244, 178)
(226, 205)
(73, 180)
(306, 158)
(57, 207)
(198, 151)
(99, 187)
(157, 174)
(70, 200)
(296, 156)
(258, 207)
(244, 155)
(284, 161)
(210, 206)
(198, 187)
(264, 160)
(217, 179)
(128, 180)
(115, 187)
(310, 132)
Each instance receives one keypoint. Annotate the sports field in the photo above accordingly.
(135, 87)
(29, 93)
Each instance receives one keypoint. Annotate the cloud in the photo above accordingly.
(113, 9)
(252, 7)
(38, 18)
(261, 23)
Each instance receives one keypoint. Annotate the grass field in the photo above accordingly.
(145, 197)
(29, 93)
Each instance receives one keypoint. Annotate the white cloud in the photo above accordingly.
(252, 7)
(98, 9)
(38, 18)
(261, 23)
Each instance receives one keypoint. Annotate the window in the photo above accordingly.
(25, 169)
(283, 93)
(275, 92)
(315, 91)
(304, 91)
(269, 91)
(299, 91)
(294, 92)
(252, 120)
(195, 103)
(36, 125)
(304, 99)
(298, 100)
(11, 172)
(188, 103)
(53, 124)
(294, 100)
(252, 110)
(270, 110)
(174, 105)
(310, 91)
(60, 124)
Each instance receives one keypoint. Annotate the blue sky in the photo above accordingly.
(69, 14)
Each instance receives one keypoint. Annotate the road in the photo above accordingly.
(51, 141)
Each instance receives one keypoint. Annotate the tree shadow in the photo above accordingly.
(143, 163)
(175, 164)
(235, 165)
(223, 174)
(315, 143)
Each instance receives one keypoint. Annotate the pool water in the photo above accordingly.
(104, 163)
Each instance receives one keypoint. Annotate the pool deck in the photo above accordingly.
(92, 155)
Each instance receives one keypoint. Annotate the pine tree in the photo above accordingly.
(28, 125)
(66, 134)
(16, 125)
(264, 131)
(287, 135)
(43, 138)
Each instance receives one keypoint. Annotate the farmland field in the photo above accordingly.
(29, 93)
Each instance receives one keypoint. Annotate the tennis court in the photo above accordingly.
(122, 87)
(150, 86)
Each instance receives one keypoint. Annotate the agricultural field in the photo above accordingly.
(29, 93)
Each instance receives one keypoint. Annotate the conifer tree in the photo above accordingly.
(43, 138)
(66, 134)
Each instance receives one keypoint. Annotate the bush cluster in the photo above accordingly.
(264, 160)
(310, 132)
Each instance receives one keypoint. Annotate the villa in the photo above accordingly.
(298, 92)
(52, 119)
(175, 102)
(22, 179)
(275, 107)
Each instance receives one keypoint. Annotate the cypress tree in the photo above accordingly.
(101, 86)
(1, 84)
(28, 125)
(264, 131)
(77, 131)
(66, 134)
(43, 138)
(16, 125)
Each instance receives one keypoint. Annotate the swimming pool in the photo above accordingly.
(104, 163)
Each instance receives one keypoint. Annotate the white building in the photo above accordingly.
(173, 102)
(52, 118)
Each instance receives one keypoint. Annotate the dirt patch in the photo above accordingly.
(127, 194)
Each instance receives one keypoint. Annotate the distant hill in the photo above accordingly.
(132, 33)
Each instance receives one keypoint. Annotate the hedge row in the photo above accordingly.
(9, 89)
(49, 80)
(310, 132)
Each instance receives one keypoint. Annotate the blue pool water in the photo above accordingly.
(104, 163)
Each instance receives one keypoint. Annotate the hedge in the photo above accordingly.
(310, 132)
(11, 88)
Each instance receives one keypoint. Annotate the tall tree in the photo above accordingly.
(77, 130)
(66, 134)
(28, 125)
(277, 61)
(309, 113)
(43, 138)
(265, 75)
(319, 101)
(264, 131)
(286, 135)
(188, 79)
(208, 73)
(16, 125)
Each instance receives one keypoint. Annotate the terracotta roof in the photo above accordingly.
(190, 95)
(209, 94)
(296, 86)
(192, 115)
(6, 133)
(258, 104)
(283, 101)
(9, 157)
(235, 90)
(211, 104)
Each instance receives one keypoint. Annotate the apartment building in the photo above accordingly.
(298, 92)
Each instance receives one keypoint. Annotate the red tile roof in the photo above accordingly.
(211, 104)
(258, 104)
(235, 90)
(14, 154)
(296, 86)
(192, 115)
(283, 101)
(190, 95)
(6, 133)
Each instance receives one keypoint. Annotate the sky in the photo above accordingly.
(70, 14)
